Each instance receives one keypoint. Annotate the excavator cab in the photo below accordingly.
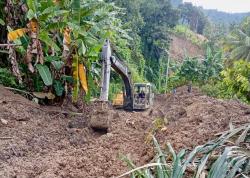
(143, 96)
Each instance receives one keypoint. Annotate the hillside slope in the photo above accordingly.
(180, 47)
(224, 17)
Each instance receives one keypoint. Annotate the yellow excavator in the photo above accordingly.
(137, 96)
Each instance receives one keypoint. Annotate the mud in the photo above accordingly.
(39, 142)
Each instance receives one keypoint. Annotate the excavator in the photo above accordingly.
(137, 96)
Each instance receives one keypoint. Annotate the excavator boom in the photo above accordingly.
(106, 68)
(109, 61)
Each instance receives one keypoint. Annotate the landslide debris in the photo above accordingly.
(36, 141)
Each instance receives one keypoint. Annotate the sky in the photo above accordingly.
(223, 5)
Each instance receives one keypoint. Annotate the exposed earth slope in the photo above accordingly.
(180, 47)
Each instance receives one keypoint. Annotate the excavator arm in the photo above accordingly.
(124, 72)
(108, 61)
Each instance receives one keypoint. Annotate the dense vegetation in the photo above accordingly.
(139, 30)
(224, 17)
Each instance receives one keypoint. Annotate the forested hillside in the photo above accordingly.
(217, 16)
(224, 17)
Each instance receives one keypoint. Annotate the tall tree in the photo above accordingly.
(193, 16)
(159, 17)
(238, 42)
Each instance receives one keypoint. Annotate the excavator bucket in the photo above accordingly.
(100, 119)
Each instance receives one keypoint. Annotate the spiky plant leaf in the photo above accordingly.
(202, 165)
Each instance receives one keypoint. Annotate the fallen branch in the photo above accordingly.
(18, 90)
(38, 107)
(6, 138)
(64, 112)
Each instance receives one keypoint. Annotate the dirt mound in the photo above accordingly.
(38, 142)
(195, 118)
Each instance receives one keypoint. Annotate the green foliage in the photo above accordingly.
(7, 79)
(224, 18)
(233, 83)
(155, 37)
(185, 32)
(59, 88)
(216, 89)
(213, 64)
(2, 22)
(90, 22)
(114, 89)
(45, 74)
(193, 17)
(236, 79)
(191, 69)
(215, 32)
(147, 53)
(232, 161)
(238, 42)
(175, 81)
(198, 71)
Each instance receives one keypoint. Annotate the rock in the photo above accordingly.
(247, 112)
(3, 121)
(22, 119)
(3, 102)
(100, 120)
(109, 135)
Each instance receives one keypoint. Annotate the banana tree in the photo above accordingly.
(67, 33)
(212, 64)
(90, 22)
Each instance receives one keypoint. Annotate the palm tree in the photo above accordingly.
(238, 42)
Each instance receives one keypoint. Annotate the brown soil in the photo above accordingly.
(181, 47)
(39, 142)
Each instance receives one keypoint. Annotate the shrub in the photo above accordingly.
(236, 79)
(6, 78)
